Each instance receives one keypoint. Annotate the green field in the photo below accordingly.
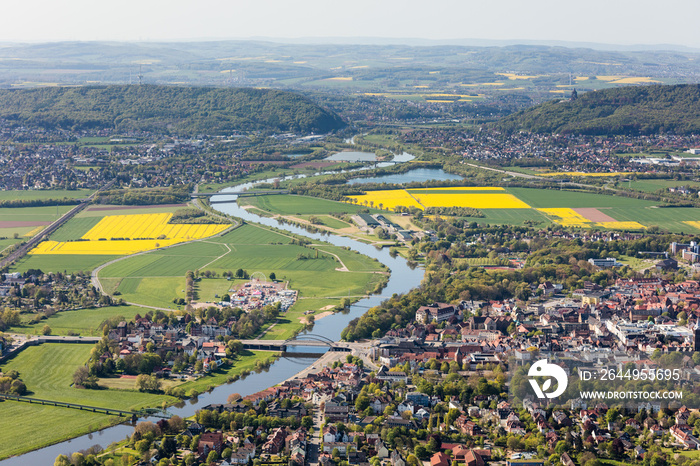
(148, 291)
(156, 278)
(48, 369)
(25, 214)
(34, 214)
(69, 263)
(7, 236)
(299, 205)
(287, 324)
(651, 186)
(245, 361)
(547, 198)
(329, 221)
(33, 194)
(511, 217)
(670, 218)
(83, 322)
(42, 431)
(74, 228)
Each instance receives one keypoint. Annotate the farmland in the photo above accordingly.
(128, 234)
(36, 194)
(69, 263)
(157, 277)
(25, 221)
(517, 205)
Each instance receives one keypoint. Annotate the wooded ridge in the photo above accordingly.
(633, 110)
(167, 109)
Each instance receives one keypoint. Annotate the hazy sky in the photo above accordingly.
(623, 22)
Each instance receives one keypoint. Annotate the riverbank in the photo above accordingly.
(41, 431)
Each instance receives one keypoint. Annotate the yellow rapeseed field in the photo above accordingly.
(459, 188)
(452, 197)
(140, 232)
(621, 225)
(694, 224)
(637, 80)
(477, 201)
(567, 217)
(389, 199)
(514, 76)
(34, 232)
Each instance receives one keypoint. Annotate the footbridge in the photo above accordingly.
(148, 412)
(305, 340)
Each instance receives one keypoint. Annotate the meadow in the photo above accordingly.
(42, 431)
(34, 194)
(33, 214)
(48, 369)
(649, 186)
(85, 322)
(157, 277)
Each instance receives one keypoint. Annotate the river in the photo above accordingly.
(401, 280)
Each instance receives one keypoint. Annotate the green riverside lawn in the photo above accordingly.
(47, 371)
(36, 426)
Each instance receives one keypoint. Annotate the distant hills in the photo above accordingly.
(627, 110)
(169, 109)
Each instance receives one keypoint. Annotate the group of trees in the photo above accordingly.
(11, 384)
(175, 194)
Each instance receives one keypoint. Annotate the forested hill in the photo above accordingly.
(170, 109)
(626, 110)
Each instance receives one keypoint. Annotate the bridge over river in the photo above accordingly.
(305, 340)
